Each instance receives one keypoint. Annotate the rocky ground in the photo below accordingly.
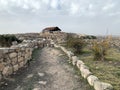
(48, 70)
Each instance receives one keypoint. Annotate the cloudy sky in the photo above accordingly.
(80, 16)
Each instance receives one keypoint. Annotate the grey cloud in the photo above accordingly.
(81, 16)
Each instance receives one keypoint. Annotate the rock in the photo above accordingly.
(14, 60)
(6, 84)
(83, 66)
(70, 54)
(15, 67)
(21, 64)
(20, 59)
(36, 89)
(74, 60)
(41, 74)
(85, 71)
(42, 82)
(79, 63)
(12, 55)
(30, 76)
(102, 86)
(92, 79)
(7, 71)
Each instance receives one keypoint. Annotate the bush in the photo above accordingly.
(76, 44)
(6, 40)
(100, 48)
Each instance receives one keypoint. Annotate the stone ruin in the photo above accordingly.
(17, 56)
(54, 33)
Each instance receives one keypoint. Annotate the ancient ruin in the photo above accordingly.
(54, 33)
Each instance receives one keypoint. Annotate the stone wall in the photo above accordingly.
(15, 57)
(57, 36)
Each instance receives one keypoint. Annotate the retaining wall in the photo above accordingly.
(15, 57)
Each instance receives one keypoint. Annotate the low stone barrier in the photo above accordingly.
(85, 72)
(15, 57)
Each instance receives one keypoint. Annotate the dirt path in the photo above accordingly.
(48, 71)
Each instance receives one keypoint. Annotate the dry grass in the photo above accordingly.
(107, 70)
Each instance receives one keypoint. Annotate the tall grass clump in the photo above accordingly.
(100, 48)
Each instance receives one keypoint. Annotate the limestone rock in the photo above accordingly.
(85, 71)
(42, 82)
(21, 64)
(12, 55)
(102, 86)
(15, 67)
(92, 79)
(20, 59)
(79, 63)
(74, 60)
(14, 60)
(7, 71)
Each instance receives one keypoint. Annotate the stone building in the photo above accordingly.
(54, 33)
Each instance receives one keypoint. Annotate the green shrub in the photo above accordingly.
(6, 40)
(76, 44)
(99, 48)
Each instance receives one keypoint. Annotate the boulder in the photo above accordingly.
(102, 86)
(92, 79)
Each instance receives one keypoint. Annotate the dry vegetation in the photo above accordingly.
(103, 60)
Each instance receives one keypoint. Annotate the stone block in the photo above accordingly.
(21, 64)
(7, 71)
(102, 86)
(13, 55)
(15, 67)
(79, 63)
(14, 61)
(92, 79)
(19, 54)
(20, 59)
(74, 60)
(85, 73)
(70, 54)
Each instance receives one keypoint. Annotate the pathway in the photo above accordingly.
(47, 71)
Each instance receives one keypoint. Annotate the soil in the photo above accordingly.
(48, 70)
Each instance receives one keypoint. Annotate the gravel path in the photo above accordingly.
(47, 71)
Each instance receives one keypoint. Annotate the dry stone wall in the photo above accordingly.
(15, 57)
